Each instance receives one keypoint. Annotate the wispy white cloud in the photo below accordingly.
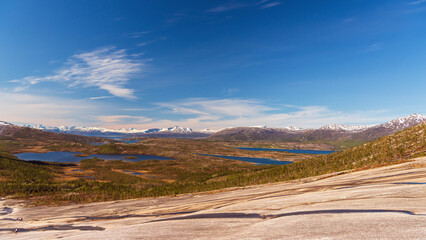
(269, 5)
(177, 17)
(137, 109)
(349, 20)
(101, 97)
(123, 119)
(228, 7)
(54, 111)
(232, 91)
(372, 48)
(138, 34)
(233, 5)
(142, 44)
(217, 114)
(216, 109)
(106, 68)
(417, 2)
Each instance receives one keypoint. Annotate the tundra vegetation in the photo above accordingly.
(43, 183)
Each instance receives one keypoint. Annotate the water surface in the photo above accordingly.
(260, 161)
(69, 157)
(303, 151)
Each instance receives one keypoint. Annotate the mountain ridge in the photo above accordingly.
(331, 132)
(291, 133)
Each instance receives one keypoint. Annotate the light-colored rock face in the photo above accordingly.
(382, 203)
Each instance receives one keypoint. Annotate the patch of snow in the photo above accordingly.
(207, 130)
(4, 123)
(405, 122)
(351, 128)
(293, 128)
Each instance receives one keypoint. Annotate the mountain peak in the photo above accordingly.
(404, 122)
(177, 129)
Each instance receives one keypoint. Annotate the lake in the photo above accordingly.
(69, 157)
(303, 151)
(260, 161)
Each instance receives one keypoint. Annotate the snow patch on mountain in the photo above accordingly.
(351, 128)
(404, 122)
(209, 131)
(176, 129)
(4, 123)
(293, 128)
(259, 126)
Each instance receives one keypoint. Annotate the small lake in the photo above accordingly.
(260, 161)
(129, 141)
(288, 150)
(69, 157)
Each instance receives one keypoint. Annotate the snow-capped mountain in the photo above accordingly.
(288, 133)
(4, 123)
(96, 131)
(329, 132)
(293, 128)
(404, 122)
(176, 129)
(396, 124)
(352, 128)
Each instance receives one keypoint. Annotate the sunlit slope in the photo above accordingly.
(402, 145)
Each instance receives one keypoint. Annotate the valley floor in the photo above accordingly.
(387, 202)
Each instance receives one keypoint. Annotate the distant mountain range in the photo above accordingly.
(11, 131)
(171, 132)
(331, 132)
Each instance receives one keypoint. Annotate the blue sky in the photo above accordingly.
(211, 64)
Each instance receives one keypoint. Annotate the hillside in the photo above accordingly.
(24, 136)
(332, 132)
(406, 144)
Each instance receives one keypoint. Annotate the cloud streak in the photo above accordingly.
(417, 2)
(54, 111)
(106, 68)
(126, 119)
(220, 113)
(262, 4)
(269, 5)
